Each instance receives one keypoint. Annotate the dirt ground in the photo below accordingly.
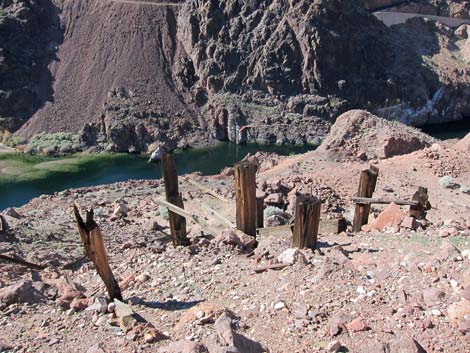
(397, 290)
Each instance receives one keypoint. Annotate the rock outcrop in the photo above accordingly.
(361, 135)
(268, 71)
(29, 34)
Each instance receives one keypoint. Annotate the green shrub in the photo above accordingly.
(446, 181)
(271, 211)
(164, 212)
(464, 189)
(14, 141)
(54, 144)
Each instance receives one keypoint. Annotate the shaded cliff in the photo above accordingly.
(29, 34)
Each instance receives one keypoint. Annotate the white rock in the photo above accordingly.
(361, 290)
(436, 312)
(466, 254)
(120, 209)
(279, 306)
(291, 256)
(333, 347)
(200, 314)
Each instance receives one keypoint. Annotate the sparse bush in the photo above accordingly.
(164, 212)
(51, 144)
(14, 141)
(446, 181)
(464, 189)
(271, 211)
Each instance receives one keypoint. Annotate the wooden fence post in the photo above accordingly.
(173, 196)
(307, 221)
(245, 189)
(260, 212)
(367, 183)
(95, 250)
(421, 196)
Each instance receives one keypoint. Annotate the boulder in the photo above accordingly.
(432, 296)
(457, 311)
(406, 345)
(21, 292)
(392, 216)
(292, 256)
(358, 134)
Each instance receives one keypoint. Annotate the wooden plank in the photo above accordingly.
(95, 250)
(205, 227)
(366, 200)
(327, 226)
(217, 215)
(367, 183)
(307, 222)
(245, 189)
(170, 178)
(17, 261)
(260, 269)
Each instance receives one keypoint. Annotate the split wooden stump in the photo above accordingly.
(173, 196)
(95, 250)
(367, 183)
(307, 222)
(245, 189)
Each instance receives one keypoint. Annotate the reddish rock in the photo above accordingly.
(79, 304)
(21, 292)
(392, 216)
(409, 223)
(406, 345)
(432, 296)
(357, 325)
(457, 311)
(67, 295)
(338, 323)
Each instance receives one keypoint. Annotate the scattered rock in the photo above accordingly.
(357, 325)
(457, 311)
(406, 345)
(21, 292)
(292, 256)
(432, 296)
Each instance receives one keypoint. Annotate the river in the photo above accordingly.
(23, 178)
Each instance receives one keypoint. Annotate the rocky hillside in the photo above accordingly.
(29, 34)
(129, 73)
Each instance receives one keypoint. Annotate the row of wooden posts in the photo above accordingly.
(249, 214)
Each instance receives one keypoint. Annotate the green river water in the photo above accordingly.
(24, 177)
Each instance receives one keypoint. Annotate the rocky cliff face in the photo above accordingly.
(264, 71)
(312, 59)
(29, 33)
(274, 62)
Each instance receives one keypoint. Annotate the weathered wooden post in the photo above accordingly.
(245, 189)
(173, 196)
(95, 250)
(419, 211)
(367, 183)
(307, 221)
(260, 212)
